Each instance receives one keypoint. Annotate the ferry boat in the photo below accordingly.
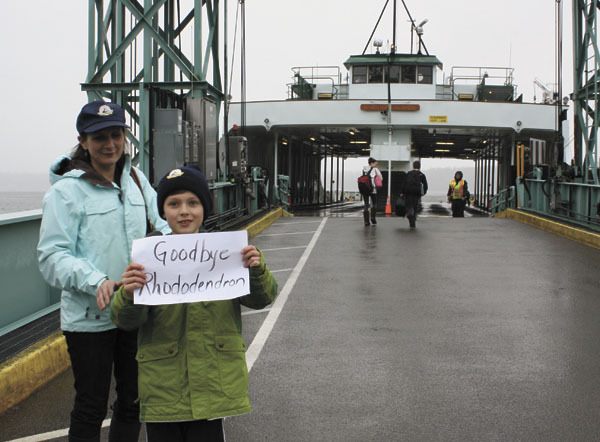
(395, 107)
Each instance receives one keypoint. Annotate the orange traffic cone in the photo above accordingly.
(388, 207)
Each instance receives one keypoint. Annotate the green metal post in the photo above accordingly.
(112, 40)
(586, 76)
(91, 39)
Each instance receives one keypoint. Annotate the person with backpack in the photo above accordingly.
(415, 186)
(458, 195)
(368, 183)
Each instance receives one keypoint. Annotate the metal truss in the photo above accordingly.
(586, 88)
(136, 47)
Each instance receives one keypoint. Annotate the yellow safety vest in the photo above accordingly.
(458, 189)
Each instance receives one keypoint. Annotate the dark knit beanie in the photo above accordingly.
(184, 178)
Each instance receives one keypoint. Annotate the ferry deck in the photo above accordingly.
(477, 328)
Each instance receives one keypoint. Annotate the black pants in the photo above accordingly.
(458, 208)
(369, 215)
(372, 197)
(93, 357)
(412, 207)
(193, 431)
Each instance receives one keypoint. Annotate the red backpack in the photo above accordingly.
(364, 182)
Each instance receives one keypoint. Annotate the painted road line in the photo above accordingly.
(282, 248)
(254, 312)
(267, 326)
(282, 270)
(287, 223)
(52, 434)
(284, 234)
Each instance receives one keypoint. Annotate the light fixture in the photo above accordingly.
(312, 139)
(420, 27)
(365, 150)
(358, 142)
(445, 143)
(377, 43)
(441, 150)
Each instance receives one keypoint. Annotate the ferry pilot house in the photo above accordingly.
(377, 73)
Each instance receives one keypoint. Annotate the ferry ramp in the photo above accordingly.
(473, 329)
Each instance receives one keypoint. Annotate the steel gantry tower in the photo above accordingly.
(586, 75)
(139, 50)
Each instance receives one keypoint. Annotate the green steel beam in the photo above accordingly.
(586, 78)
(124, 57)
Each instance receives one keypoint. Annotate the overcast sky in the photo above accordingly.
(44, 54)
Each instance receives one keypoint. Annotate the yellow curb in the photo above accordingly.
(26, 372)
(259, 225)
(573, 233)
(21, 375)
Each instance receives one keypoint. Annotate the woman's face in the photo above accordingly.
(105, 147)
(184, 212)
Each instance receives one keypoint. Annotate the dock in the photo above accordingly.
(473, 328)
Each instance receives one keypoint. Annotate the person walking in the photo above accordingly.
(192, 368)
(263, 190)
(415, 186)
(458, 195)
(369, 194)
(96, 206)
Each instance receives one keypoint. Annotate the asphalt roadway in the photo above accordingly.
(473, 329)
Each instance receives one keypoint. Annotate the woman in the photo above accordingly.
(97, 205)
(376, 178)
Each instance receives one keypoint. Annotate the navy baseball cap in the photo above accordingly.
(98, 115)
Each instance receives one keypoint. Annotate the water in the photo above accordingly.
(19, 201)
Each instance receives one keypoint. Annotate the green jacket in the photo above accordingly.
(191, 357)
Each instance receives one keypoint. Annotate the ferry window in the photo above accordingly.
(394, 74)
(425, 74)
(376, 74)
(409, 74)
(359, 74)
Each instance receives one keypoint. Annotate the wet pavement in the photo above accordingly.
(462, 330)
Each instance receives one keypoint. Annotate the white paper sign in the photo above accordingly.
(191, 267)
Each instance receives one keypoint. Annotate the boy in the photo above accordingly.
(191, 357)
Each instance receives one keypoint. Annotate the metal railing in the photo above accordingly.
(306, 76)
(25, 296)
(571, 202)
(505, 199)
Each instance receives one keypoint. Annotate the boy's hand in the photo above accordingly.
(251, 256)
(133, 278)
(104, 293)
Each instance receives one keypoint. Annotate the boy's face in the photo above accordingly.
(184, 212)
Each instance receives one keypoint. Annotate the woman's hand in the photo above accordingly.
(133, 278)
(105, 292)
(251, 256)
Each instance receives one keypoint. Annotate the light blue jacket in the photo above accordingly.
(87, 230)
